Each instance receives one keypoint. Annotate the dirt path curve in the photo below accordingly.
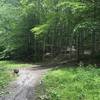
(23, 87)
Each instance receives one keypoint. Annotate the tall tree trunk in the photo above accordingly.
(78, 48)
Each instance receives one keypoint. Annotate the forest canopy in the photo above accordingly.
(34, 29)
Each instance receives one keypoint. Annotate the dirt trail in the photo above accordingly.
(23, 87)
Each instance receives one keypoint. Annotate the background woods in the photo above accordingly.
(44, 29)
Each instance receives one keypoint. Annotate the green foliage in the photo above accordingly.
(15, 26)
(40, 29)
(26, 26)
(4, 79)
(72, 84)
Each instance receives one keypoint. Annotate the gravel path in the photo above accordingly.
(23, 87)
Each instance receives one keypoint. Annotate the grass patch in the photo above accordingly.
(71, 84)
(13, 64)
(5, 72)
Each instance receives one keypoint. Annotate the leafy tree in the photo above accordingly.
(31, 28)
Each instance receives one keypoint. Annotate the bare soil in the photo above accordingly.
(23, 88)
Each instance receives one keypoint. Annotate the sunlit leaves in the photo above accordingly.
(40, 29)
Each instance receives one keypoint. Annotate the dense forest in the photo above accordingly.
(49, 49)
(41, 29)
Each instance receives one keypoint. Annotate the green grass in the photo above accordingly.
(71, 84)
(6, 74)
(13, 64)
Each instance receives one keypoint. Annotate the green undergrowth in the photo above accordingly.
(6, 74)
(81, 83)
(13, 64)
